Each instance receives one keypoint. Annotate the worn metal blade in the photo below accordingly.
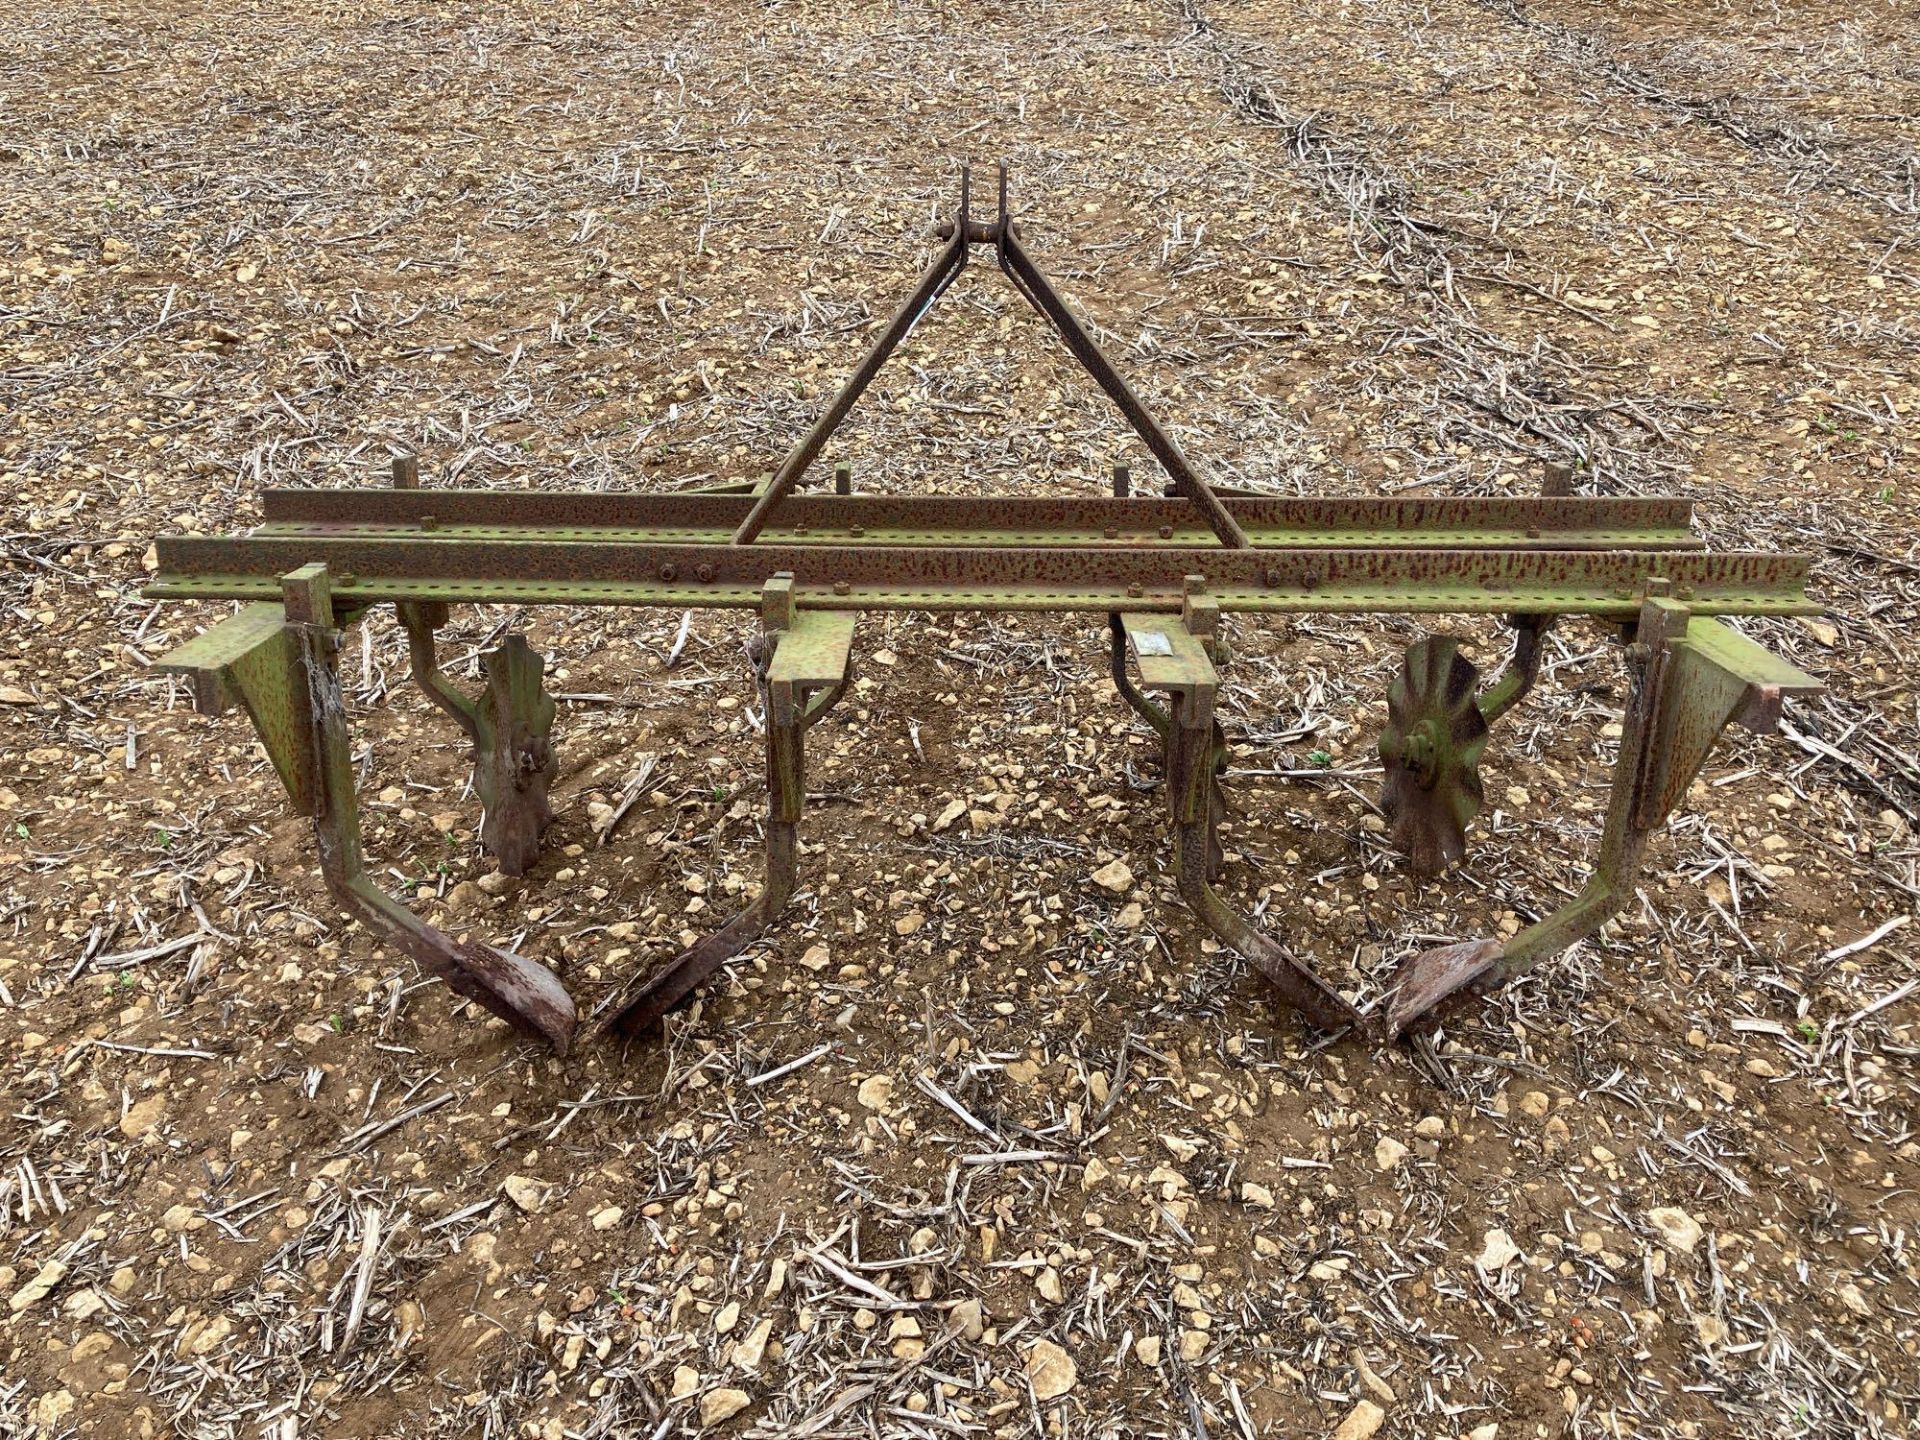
(1435, 976)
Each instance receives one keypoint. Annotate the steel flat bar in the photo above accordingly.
(1107, 538)
(858, 576)
(1039, 293)
(1432, 523)
(1459, 600)
(940, 274)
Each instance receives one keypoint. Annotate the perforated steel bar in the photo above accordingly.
(857, 577)
(1427, 523)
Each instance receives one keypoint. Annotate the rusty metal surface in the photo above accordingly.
(944, 270)
(1163, 570)
(1585, 522)
(1430, 751)
(1433, 977)
(1692, 678)
(1515, 680)
(807, 663)
(854, 576)
(1038, 291)
(509, 728)
(252, 660)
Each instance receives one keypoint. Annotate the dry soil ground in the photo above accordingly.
(1665, 1187)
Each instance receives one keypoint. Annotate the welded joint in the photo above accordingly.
(1517, 677)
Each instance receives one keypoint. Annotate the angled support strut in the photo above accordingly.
(810, 664)
(957, 234)
(278, 661)
(1692, 677)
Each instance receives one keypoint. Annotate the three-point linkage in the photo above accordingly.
(959, 235)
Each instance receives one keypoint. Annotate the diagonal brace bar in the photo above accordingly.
(1038, 292)
(944, 270)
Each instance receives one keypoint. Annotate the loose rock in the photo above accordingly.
(1363, 1421)
(722, 1404)
(1678, 1230)
(1050, 1371)
(39, 1287)
(531, 1196)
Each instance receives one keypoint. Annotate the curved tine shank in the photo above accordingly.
(1477, 967)
(1516, 677)
(686, 971)
(521, 991)
(1189, 784)
(1694, 677)
(789, 716)
(420, 622)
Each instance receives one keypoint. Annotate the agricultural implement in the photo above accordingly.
(1164, 569)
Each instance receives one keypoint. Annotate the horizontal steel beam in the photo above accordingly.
(859, 576)
(1572, 523)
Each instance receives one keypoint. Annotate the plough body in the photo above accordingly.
(1165, 570)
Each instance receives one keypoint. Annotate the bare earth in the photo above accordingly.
(258, 1179)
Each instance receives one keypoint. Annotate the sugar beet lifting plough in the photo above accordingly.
(1164, 570)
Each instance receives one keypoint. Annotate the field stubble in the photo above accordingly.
(256, 1178)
